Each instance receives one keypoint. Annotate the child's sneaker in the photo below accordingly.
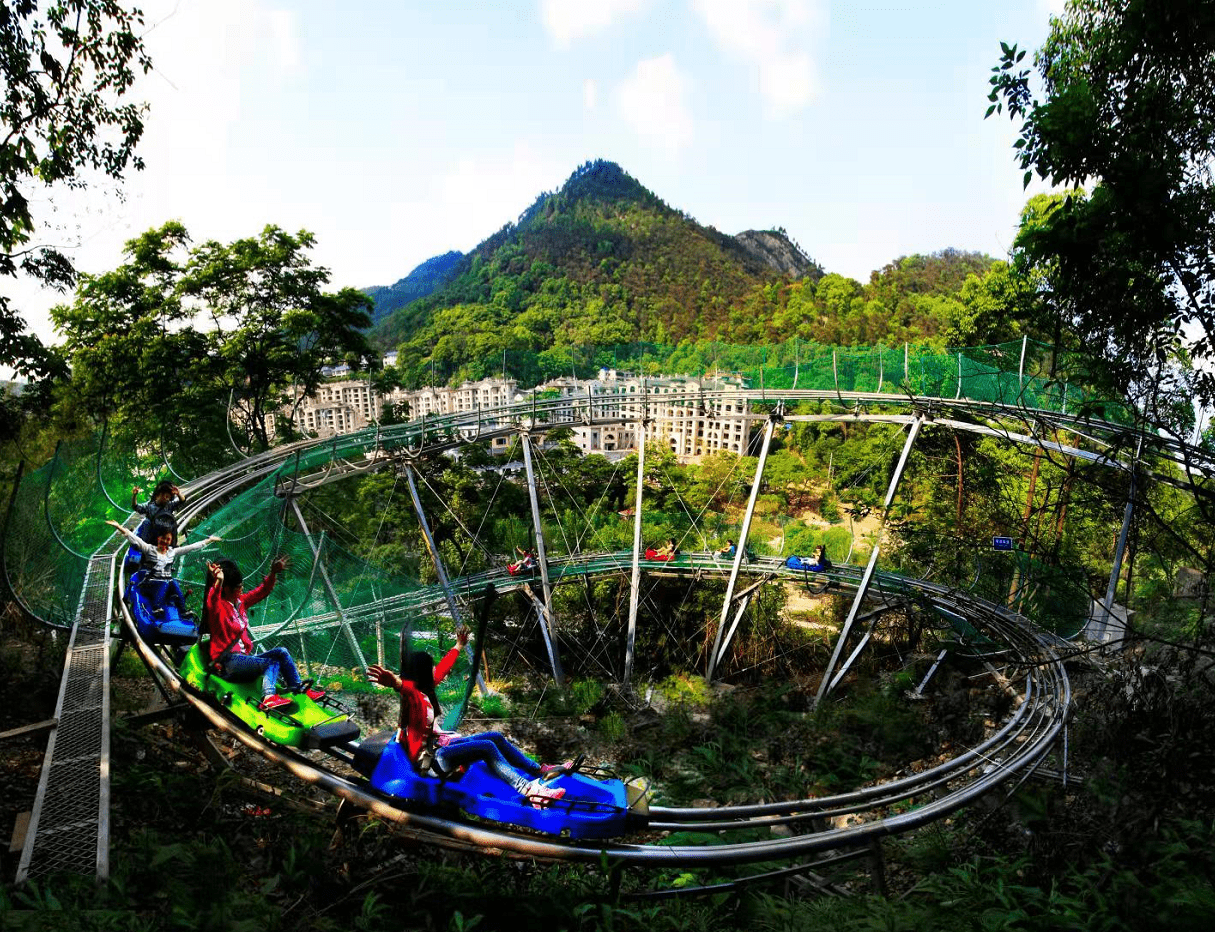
(541, 796)
(549, 771)
(273, 701)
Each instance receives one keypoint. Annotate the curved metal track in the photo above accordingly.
(1039, 713)
(1013, 748)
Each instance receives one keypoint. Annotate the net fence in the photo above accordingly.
(334, 610)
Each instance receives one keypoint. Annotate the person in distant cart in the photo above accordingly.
(166, 499)
(525, 564)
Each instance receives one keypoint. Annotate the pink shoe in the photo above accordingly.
(549, 771)
(541, 796)
(273, 701)
(310, 691)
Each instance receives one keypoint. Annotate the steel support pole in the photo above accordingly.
(337, 605)
(1021, 365)
(740, 548)
(919, 690)
(440, 570)
(542, 558)
(863, 589)
(635, 581)
(743, 603)
(1108, 602)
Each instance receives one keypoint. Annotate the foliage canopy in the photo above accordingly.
(65, 75)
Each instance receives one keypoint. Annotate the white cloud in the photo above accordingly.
(771, 36)
(652, 100)
(590, 94)
(567, 20)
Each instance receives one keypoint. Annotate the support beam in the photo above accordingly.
(545, 626)
(856, 652)
(863, 589)
(635, 582)
(744, 602)
(919, 690)
(440, 570)
(333, 596)
(1108, 602)
(740, 548)
(546, 618)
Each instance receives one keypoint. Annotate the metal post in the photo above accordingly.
(881, 369)
(835, 371)
(541, 557)
(439, 568)
(1119, 553)
(959, 394)
(1021, 366)
(635, 583)
(863, 589)
(919, 690)
(743, 602)
(337, 605)
(740, 548)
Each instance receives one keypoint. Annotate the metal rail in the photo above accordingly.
(1020, 742)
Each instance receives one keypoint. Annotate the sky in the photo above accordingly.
(396, 131)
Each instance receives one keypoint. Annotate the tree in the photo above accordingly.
(275, 327)
(140, 360)
(1127, 103)
(65, 75)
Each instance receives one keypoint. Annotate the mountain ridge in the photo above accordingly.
(605, 242)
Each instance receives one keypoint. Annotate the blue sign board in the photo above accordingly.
(1001, 543)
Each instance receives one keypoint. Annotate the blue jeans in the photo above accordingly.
(162, 592)
(502, 757)
(244, 668)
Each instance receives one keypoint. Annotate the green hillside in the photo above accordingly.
(603, 261)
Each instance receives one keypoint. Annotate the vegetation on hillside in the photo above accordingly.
(1119, 271)
(603, 262)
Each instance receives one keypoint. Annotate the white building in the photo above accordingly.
(338, 408)
(678, 413)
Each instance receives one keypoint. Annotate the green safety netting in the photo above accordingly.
(336, 611)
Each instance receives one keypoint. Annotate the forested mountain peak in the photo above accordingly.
(604, 260)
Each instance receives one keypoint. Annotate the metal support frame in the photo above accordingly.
(828, 683)
(337, 605)
(440, 570)
(740, 548)
(546, 626)
(1108, 602)
(1021, 365)
(856, 652)
(744, 602)
(635, 580)
(919, 690)
(542, 559)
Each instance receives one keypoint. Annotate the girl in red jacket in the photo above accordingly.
(232, 653)
(448, 751)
